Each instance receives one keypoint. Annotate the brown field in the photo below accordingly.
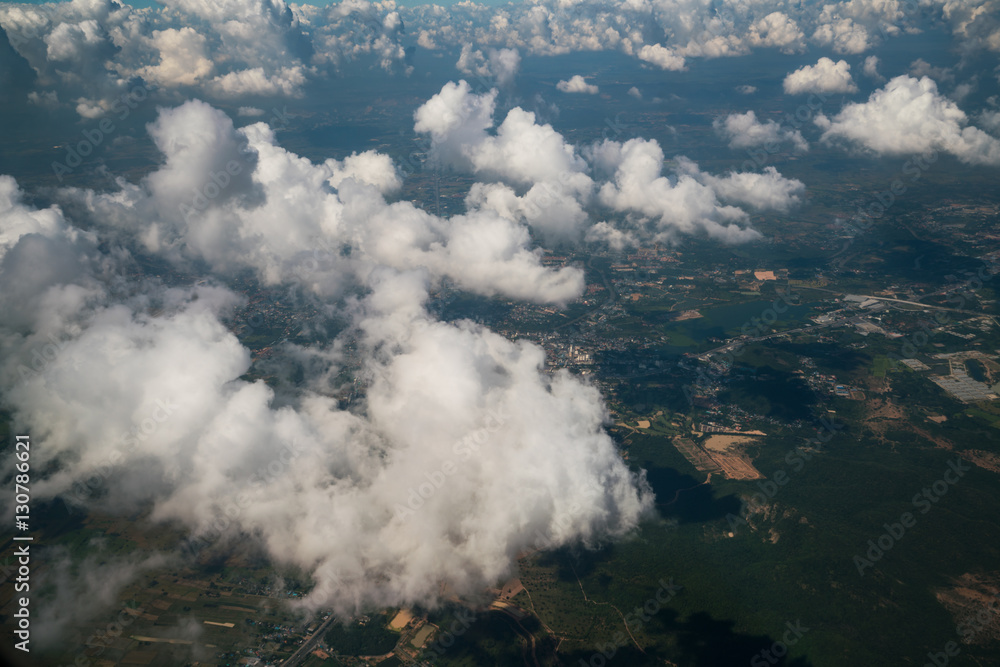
(723, 455)
(401, 619)
(986, 460)
(511, 588)
(697, 456)
(727, 451)
(721, 443)
(736, 465)
(969, 596)
(422, 635)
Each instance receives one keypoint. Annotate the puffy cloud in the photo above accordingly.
(235, 199)
(765, 191)
(666, 32)
(91, 52)
(605, 234)
(348, 31)
(383, 503)
(825, 76)
(921, 68)
(522, 153)
(426, 41)
(256, 47)
(71, 590)
(183, 58)
(552, 208)
(635, 92)
(499, 64)
(885, 17)
(745, 131)
(20, 220)
(909, 116)
(231, 10)
(974, 24)
(662, 57)
(69, 41)
(287, 81)
(525, 152)
(843, 36)
(577, 84)
(549, 185)
(777, 30)
(871, 68)
(746, 90)
(990, 120)
(198, 141)
(455, 118)
(667, 207)
(389, 504)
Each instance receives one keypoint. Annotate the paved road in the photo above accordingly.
(303, 651)
(612, 297)
(941, 292)
(756, 339)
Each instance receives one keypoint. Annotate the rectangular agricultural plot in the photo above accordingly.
(421, 637)
(736, 465)
(697, 456)
(915, 364)
(401, 620)
(730, 459)
(964, 388)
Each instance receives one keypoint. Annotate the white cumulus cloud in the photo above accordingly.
(825, 76)
(577, 84)
(907, 116)
(745, 131)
